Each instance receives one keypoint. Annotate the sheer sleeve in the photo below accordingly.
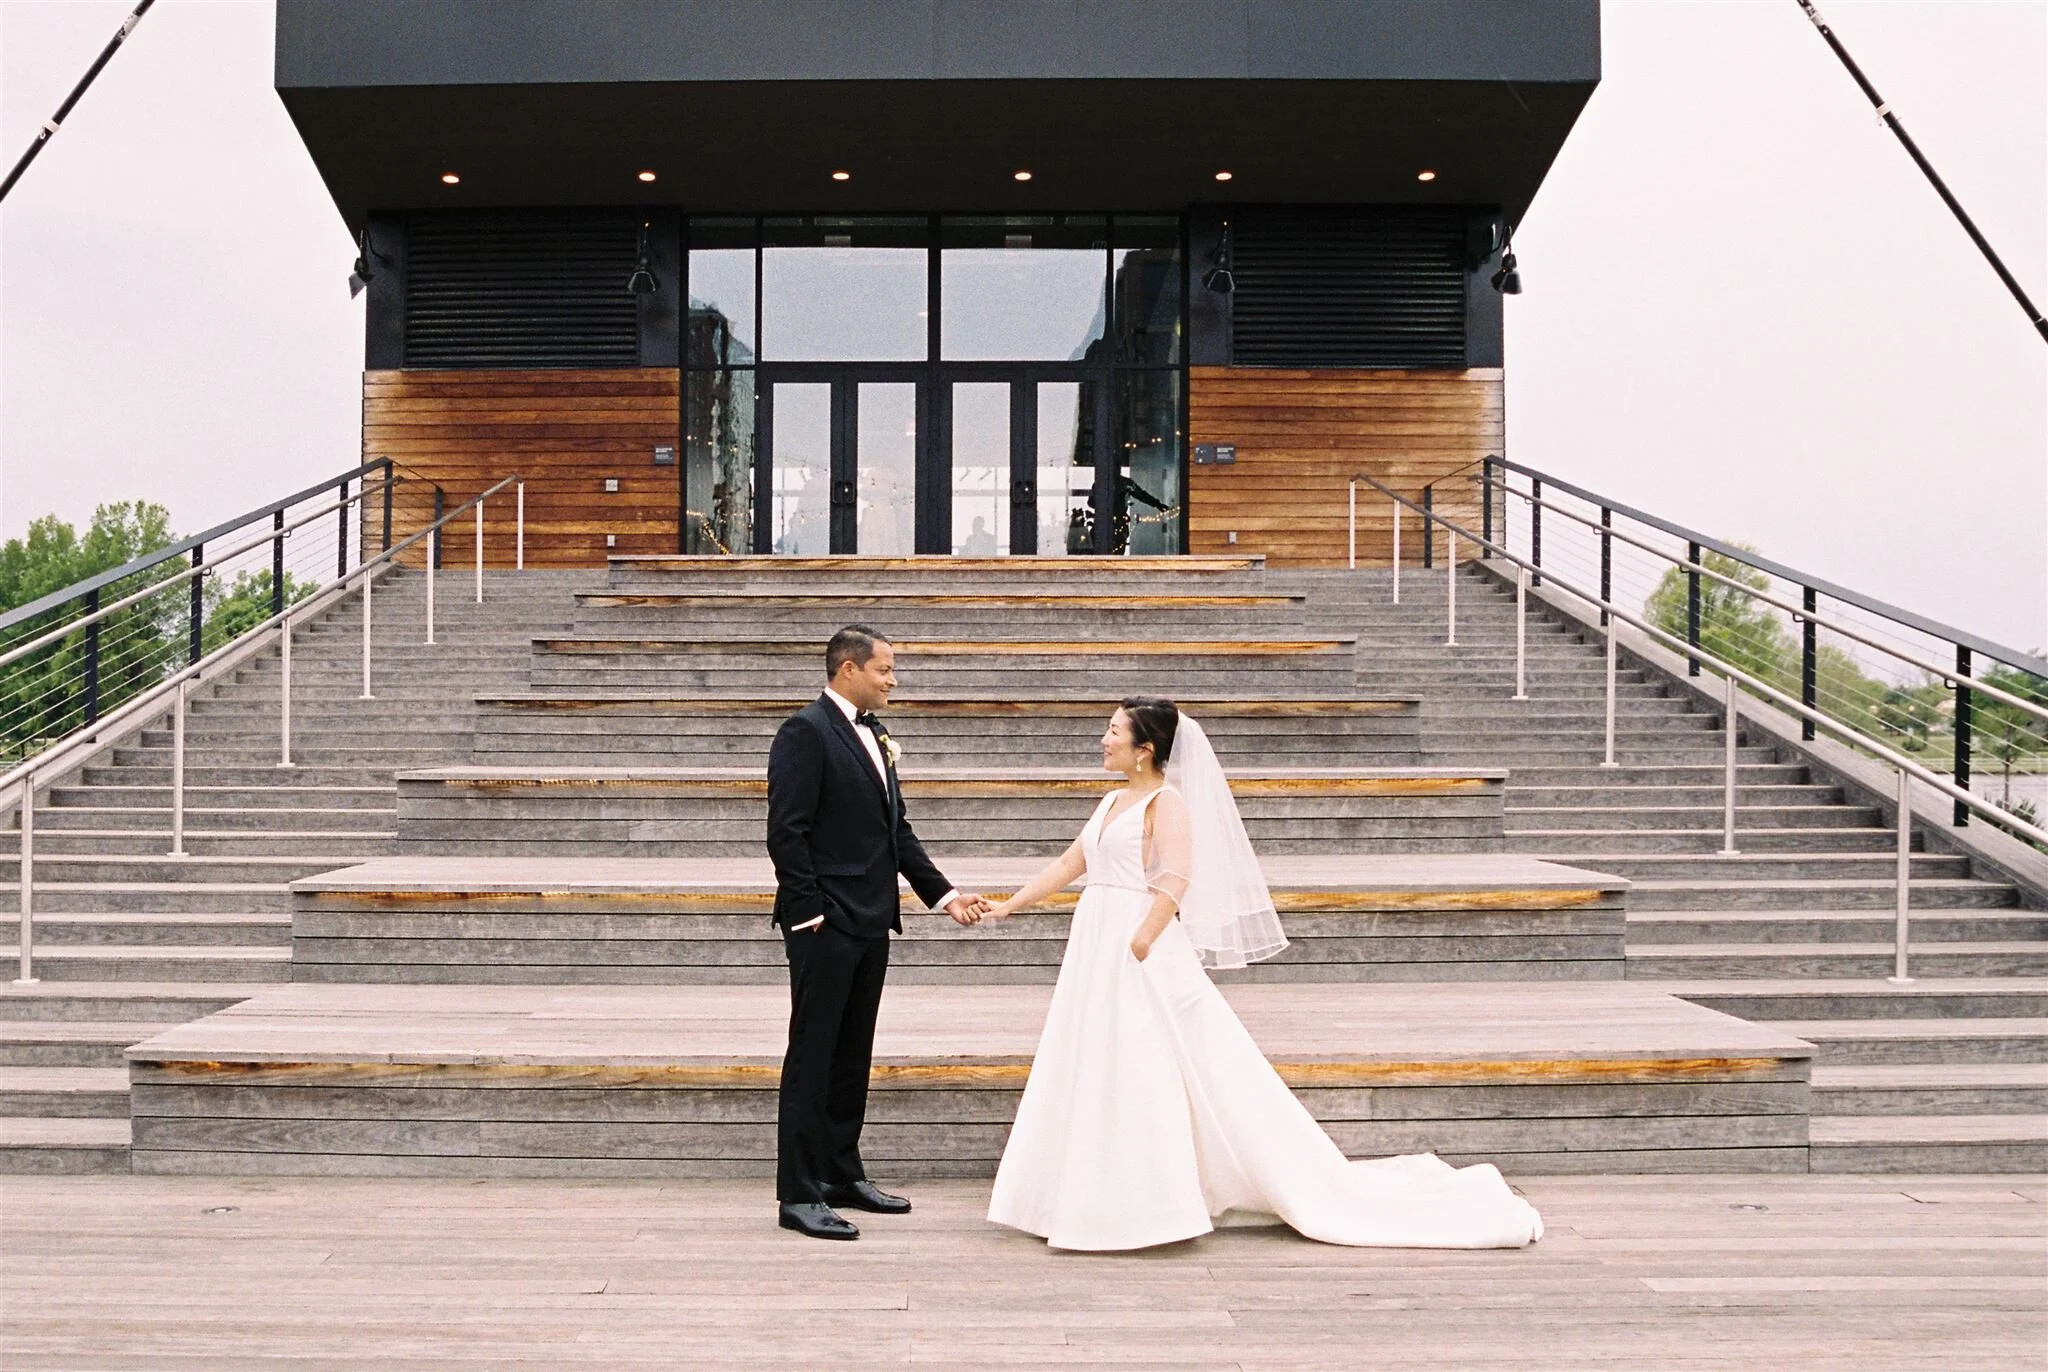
(1169, 847)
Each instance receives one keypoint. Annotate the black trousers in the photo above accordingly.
(835, 989)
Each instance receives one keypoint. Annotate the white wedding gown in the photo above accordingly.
(1151, 1116)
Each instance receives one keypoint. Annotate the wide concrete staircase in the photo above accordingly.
(1948, 1074)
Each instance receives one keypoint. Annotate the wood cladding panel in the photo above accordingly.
(1301, 435)
(564, 432)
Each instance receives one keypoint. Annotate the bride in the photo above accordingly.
(1150, 1115)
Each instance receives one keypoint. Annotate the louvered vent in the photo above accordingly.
(521, 289)
(1319, 288)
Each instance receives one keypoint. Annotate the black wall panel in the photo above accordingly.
(1348, 288)
(522, 288)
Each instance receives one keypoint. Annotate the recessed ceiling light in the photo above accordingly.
(647, 176)
(450, 179)
(842, 176)
(1020, 176)
(1223, 176)
(1425, 175)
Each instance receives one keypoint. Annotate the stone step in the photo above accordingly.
(1621, 796)
(130, 842)
(124, 897)
(112, 1002)
(1704, 841)
(229, 789)
(1674, 928)
(1794, 894)
(1929, 1143)
(190, 929)
(1718, 867)
(1858, 960)
(63, 1147)
(62, 1043)
(215, 820)
(87, 868)
(1872, 999)
(1982, 1088)
(1528, 823)
(1860, 1042)
(60, 963)
(64, 1092)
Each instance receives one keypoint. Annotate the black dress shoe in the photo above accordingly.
(862, 1195)
(816, 1221)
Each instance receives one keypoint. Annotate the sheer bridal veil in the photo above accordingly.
(1227, 912)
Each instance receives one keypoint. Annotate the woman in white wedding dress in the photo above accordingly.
(1150, 1115)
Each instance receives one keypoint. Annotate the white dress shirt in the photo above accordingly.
(874, 747)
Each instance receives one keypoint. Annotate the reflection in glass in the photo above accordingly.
(801, 515)
(886, 422)
(718, 463)
(843, 304)
(981, 468)
(1148, 447)
(1147, 296)
(721, 307)
(1066, 471)
(1020, 304)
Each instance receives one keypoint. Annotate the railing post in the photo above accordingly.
(1451, 589)
(198, 611)
(1521, 633)
(1613, 640)
(519, 539)
(1904, 882)
(1692, 607)
(479, 551)
(440, 507)
(1606, 562)
(433, 560)
(1536, 530)
(1351, 525)
(277, 564)
(1731, 726)
(1486, 506)
(178, 771)
(92, 659)
(284, 693)
(369, 579)
(1809, 663)
(1397, 552)
(390, 488)
(1428, 527)
(1965, 725)
(27, 936)
(342, 502)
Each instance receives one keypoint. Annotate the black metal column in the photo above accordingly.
(1606, 562)
(277, 563)
(1023, 468)
(1809, 663)
(1536, 531)
(341, 531)
(92, 659)
(1965, 710)
(1692, 607)
(1486, 506)
(390, 486)
(1428, 527)
(198, 610)
(434, 549)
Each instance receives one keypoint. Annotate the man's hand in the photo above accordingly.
(968, 909)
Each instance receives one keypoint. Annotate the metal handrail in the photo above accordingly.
(141, 704)
(1800, 614)
(100, 581)
(70, 627)
(2003, 818)
(2026, 662)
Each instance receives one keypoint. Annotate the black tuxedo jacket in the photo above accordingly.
(837, 835)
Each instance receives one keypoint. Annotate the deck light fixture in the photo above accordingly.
(368, 259)
(646, 176)
(1020, 175)
(450, 179)
(642, 281)
(1425, 175)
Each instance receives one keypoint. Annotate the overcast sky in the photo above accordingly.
(1744, 309)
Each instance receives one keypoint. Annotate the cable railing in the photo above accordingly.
(215, 633)
(1592, 579)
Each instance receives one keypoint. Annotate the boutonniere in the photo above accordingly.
(891, 751)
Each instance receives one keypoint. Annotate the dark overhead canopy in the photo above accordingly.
(750, 105)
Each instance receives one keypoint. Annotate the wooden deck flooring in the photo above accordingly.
(220, 1275)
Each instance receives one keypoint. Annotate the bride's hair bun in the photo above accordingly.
(1153, 720)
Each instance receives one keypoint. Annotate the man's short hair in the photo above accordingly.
(855, 643)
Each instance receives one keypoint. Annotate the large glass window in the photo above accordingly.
(844, 290)
(721, 275)
(1022, 289)
(981, 468)
(718, 462)
(1146, 291)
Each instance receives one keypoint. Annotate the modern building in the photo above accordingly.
(932, 276)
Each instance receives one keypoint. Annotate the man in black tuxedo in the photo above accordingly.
(838, 837)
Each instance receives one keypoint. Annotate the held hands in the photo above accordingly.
(969, 909)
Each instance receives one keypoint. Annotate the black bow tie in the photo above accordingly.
(867, 719)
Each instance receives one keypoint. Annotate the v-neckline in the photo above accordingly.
(1109, 819)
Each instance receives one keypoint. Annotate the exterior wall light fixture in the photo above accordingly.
(642, 281)
(368, 259)
(1218, 277)
(1507, 280)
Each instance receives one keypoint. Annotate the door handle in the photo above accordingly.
(842, 493)
(1023, 491)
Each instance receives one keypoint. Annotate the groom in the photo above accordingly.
(838, 837)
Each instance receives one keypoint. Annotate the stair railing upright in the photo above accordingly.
(75, 747)
(1735, 678)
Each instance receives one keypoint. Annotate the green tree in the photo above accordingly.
(233, 610)
(2015, 739)
(1734, 625)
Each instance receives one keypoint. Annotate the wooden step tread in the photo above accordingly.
(1960, 1075)
(50, 1080)
(120, 1033)
(208, 991)
(1707, 950)
(1906, 1129)
(1909, 1030)
(33, 1132)
(125, 952)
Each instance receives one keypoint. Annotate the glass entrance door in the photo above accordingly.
(1021, 468)
(841, 457)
